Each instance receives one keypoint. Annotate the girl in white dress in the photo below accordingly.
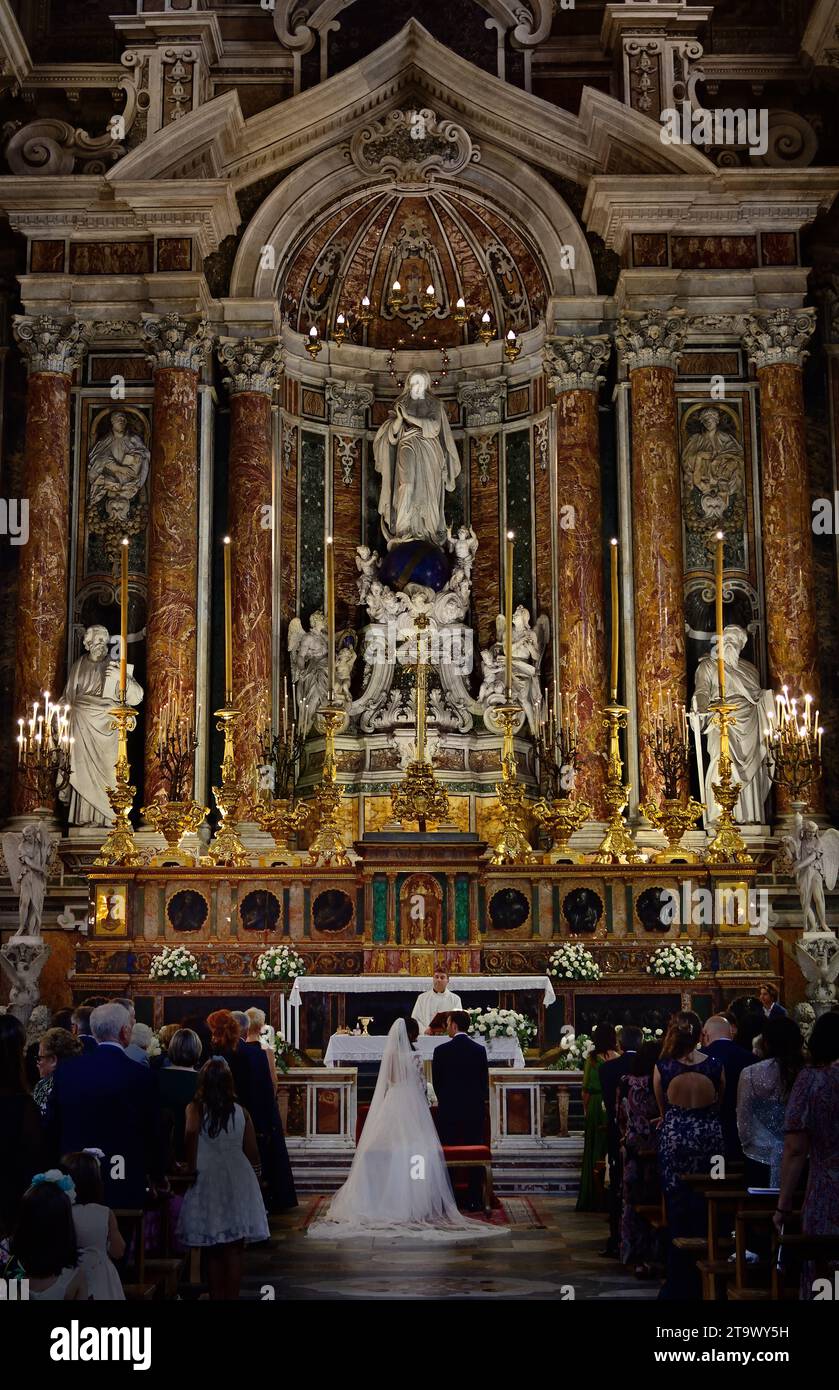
(398, 1184)
(224, 1210)
(97, 1232)
(44, 1243)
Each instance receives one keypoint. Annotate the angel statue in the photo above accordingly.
(28, 854)
(367, 562)
(309, 652)
(817, 954)
(815, 863)
(529, 645)
(22, 960)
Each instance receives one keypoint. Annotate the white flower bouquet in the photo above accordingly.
(674, 962)
(573, 962)
(175, 963)
(279, 963)
(573, 1050)
(501, 1023)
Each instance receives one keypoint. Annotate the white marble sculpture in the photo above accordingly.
(92, 690)
(28, 854)
(815, 862)
(529, 645)
(753, 711)
(22, 961)
(818, 958)
(117, 468)
(416, 456)
(309, 657)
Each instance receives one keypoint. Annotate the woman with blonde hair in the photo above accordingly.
(277, 1177)
(256, 1024)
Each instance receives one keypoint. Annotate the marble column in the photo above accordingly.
(775, 342)
(177, 349)
(255, 369)
(573, 369)
(649, 343)
(53, 349)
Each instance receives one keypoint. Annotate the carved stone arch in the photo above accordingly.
(528, 23)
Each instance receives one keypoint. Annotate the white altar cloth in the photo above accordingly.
(414, 984)
(349, 1047)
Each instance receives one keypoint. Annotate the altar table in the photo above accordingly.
(415, 984)
(349, 1047)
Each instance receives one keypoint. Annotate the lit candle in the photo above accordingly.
(508, 616)
(821, 731)
(615, 620)
(330, 614)
(123, 619)
(720, 653)
(228, 626)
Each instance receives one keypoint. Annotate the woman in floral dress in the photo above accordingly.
(637, 1116)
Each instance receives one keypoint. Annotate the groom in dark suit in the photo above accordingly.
(460, 1076)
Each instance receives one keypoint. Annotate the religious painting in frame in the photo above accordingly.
(713, 449)
(111, 911)
(114, 462)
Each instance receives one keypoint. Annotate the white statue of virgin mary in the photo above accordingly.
(416, 456)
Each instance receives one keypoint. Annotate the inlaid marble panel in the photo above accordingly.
(312, 520)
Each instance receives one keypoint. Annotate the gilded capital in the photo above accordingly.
(650, 338)
(253, 366)
(573, 364)
(778, 335)
(177, 342)
(51, 345)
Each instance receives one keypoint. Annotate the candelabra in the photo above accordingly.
(278, 814)
(119, 849)
(327, 847)
(558, 810)
(617, 845)
(227, 849)
(512, 845)
(668, 744)
(419, 797)
(728, 845)
(44, 753)
(794, 748)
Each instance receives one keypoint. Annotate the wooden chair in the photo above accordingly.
(472, 1156)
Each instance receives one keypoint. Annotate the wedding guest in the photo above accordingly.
(55, 1046)
(81, 1027)
(22, 1147)
(637, 1116)
(141, 1041)
(40, 1020)
(224, 1209)
(768, 996)
(225, 1042)
(44, 1242)
(812, 1133)
(255, 1022)
(717, 1041)
(261, 1090)
(97, 1233)
(164, 1037)
(176, 1085)
(762, 1097)
(592, 1187)
(63, 1019)
(629, 1040)
(198, 1025)
(688, 1086)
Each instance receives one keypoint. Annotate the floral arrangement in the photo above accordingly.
(674, 963)
(279, 963)
(573, 1050)
(154, 1049)
(573, 962)
(501, 1023)
(175, 963)
(652, 1034)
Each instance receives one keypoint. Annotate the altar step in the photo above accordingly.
(516, 1170)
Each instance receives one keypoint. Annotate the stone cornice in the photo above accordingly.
(818, 42)
(253, 366)
(15, 58)
(177, 342)
(175, 27)
(50, 344)
(676, 19)
(742, 200)
(650, 338)
(775, 336)
(573, 364)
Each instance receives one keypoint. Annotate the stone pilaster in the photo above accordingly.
(573, 367)
(649, 343)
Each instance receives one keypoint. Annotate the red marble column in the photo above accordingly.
(254, 371)
(649, 343)
(573, 366)
(53, 349)
(178, 349)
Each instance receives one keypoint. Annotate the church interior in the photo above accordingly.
(419, 498)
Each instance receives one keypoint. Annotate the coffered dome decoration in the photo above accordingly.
(451, 238)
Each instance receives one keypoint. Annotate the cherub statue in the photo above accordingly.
(22, 960)
(818, 958)
(464, 545)
(367, 563)
(28, 854)
(815, 862)
(344, 663)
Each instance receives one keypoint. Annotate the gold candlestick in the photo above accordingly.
(508, 620)
(613, 683)
(328, 847)
(617, 845)
(330, 618)
(123, 618)
(119, 849)
(227, 849)
(419, 797)
(718, 580)
(512, 845)
(728, 845)
(228, 626)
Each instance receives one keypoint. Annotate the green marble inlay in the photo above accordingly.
(519, 512)
(312, 514)
(461, 910)
(380, 909)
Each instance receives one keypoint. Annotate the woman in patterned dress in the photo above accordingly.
(637, 1122)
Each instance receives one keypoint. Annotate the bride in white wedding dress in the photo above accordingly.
(398, 1183)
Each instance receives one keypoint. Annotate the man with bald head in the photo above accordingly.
(718, 1041)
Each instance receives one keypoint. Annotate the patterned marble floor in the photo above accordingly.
(543, 1264)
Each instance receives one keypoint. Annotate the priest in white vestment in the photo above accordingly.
(91, 692)
(437, 1000)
